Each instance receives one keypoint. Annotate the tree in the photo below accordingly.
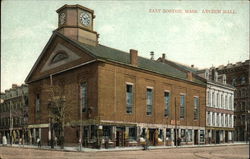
(59, 111)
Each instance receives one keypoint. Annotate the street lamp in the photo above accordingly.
(248, 114)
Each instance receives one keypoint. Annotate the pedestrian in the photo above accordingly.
(20, 141)
(4, 141)
(55, 141)
(179, 141)
(38, 142)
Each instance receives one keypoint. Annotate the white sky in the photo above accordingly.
(201, 39)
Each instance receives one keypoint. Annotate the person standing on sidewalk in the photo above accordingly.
(38, 142)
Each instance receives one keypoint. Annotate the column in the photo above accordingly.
(172, 136)
(199, 137)
(193, 136)
(113, 133)
(138, 133)
(49, 133)
(164, 136)
(34, 135)
(40, 133)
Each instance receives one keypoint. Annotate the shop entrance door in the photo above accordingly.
(196, 137)
(217, 137)
(119, 138)
(226, 136)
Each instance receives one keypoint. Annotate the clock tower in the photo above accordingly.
(76, 22)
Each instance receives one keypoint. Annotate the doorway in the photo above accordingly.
(217, 137)
(226, 136)
(196, 137)
(120, 137)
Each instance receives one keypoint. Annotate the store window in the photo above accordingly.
(202, 136)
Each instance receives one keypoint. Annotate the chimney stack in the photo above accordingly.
(133, 57)
(14, 85)
(163, 56)
(190, 76)
(152, 55)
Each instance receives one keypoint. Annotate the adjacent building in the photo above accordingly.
(219, 102)
(238, 76)
(219, 107)
(114, 97)
(14, 113)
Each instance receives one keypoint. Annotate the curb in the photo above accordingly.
(124, 149)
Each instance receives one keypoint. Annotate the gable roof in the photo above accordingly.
(118, 56)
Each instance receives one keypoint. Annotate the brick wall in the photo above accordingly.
(112, 102)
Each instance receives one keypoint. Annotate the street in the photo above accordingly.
(219, 152)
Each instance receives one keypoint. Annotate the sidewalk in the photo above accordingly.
(76, 149)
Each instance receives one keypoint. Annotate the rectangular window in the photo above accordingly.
(226, 120)
(167, 104)
(208, 98)
(218, 119)
(213, 119)
(213, 100)
(208, 119)
(226, 102)
(196, 108)
(83, 96)
(149, 101)
(202, 136)
(182, 106)
(222, 120)
(107, 132)
(229, 120)
(217, 100)
(132, 133)
(129, 98)
(189, 135)
(222, 101)
(230, 103)
(168, 134)
(37, 103)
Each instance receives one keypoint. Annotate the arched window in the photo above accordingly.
(243, 80)
(59, 57)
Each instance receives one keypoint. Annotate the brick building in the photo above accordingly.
(113, 95)
(219, 102)
(238, 76)
(14, 113)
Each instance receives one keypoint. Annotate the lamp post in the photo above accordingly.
(11, 123)
(248, 132)
(80, 140)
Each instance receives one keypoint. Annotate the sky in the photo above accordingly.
(202, 33)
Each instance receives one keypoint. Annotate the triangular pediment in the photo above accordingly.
(59, 50)
(60, 53)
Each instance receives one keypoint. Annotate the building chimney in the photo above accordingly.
(133, 57)
(14, 85)
(190, 76)
(192, 66)
(163, 56)
(152, 55)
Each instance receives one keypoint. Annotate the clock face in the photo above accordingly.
(62, 18)
(85, 18)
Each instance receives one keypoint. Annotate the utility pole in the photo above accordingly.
(80, 142)
(175, 122)
(11, 124)
(248, 114)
